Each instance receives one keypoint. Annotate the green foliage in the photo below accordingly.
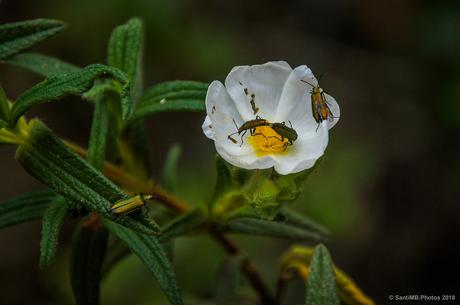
(98, 136)
(321, 286)
(60, 85)
(41, 64)
(172, 96)
(247, 225)
(292, 217)
(4, 107)
(151, 253)
(87, 257)
(183, 224)
(50, 161)
(170, 169)
(25, 207)
(52, 221)
(125, 52)
(228, 279)
(16, 37)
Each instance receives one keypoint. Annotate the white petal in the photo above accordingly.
(304, 152)
(334, 108)
(207, 128)
(295, 101)
(264, 81)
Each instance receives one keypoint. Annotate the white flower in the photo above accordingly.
(276, 93)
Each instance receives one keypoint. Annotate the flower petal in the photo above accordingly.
(303, 153)
(334, 108)
(207, 128)
(261, 84)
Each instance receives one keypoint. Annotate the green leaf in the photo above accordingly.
(41, 64)
(29, 206)
(125, 52)
(50, 161)
(151, 253)
(4, 108)
(60, 85)
(87, 258)
(3, 124)
(247, 225)
(116, 251)
(228, 279)
(18, 36)
(52, 221)
(292, 217)
(172, 96)
(321, 285)
(170, 168)
(98, 136)
(183, 224)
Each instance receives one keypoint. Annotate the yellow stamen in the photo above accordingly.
(266, 141)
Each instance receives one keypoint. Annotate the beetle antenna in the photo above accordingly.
(307, 82)
(235, 125)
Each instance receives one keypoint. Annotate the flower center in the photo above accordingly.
(266, 141)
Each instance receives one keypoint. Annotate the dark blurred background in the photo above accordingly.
(388, 185)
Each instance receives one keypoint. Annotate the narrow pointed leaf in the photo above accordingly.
(246, 225)
(125, 52)
(52, 221)
(29, 206)
(172, 96)
(87, 258)
(224, 180)
(228, 279)
(41, 64)
(77, 83)
(170, 169)
(321, 285)
(151, 253)
(183, 224)
(4, 107)
(292, 217)
(98, 136)
(50, 161)
(18, 36)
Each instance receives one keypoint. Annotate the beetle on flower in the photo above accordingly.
(279, 96)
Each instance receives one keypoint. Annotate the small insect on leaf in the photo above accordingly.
(129, 205)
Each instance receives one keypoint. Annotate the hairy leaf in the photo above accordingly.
(170, 168)
(321, 285)
(292, 217)
(125, 52)
(50, 161)
(60, 85)
(228, 279)
(87, 257)
(247, 225)
(183, 224)
(18, 36)
(52, 221)
(25, 207)
(151, 253)
(172, 96)
(41, 64)
(98, 136)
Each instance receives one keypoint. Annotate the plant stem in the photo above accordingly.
(136, 185)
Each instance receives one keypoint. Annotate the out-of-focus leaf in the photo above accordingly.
(172, 96)
(149, 250)
(228, 279)
(87, 257)
(183, 224)
(4, 107)
(52, 221)
(125, 52)
(50, 161)
(321, 286)
(292, 217)
(170, 168)
(60, 85)
(116, 251)
(3, 124)
(25, 207)
(247, 225)
(41, 64)
(18, 36)
(98, 136)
